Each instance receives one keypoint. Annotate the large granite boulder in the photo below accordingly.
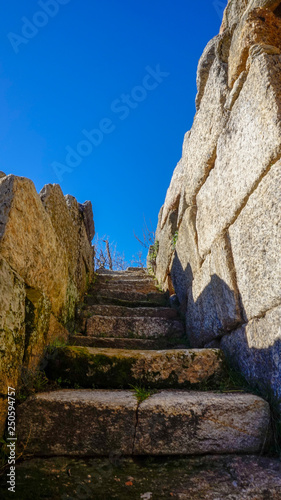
(46, 263)
(28, 241)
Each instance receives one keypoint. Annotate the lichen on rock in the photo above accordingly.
(46, 263)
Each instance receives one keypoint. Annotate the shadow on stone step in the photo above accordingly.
(215, 317)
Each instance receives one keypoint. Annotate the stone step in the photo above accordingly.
(109, 310)
(210, 477)
(103, 368)
(200, 423)
(133, 327)
(136, 271)
(123, 343)
(128, 298)
(129, 278)
(98, 423)
(140, 287)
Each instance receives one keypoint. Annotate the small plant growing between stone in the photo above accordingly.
(56, 344)
(152, 256)
(159, 287)
(175, 239)
(142, 393)
(233, 382)
(65, 382)
(31, 382)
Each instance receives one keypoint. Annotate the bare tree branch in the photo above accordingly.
(107, 255)
(148, 235)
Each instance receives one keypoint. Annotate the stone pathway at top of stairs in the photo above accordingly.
(131, 289)
(109, 419)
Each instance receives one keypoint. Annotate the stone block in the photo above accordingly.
(166, 249)
(256, 241)
(213, 300)
(257, 26)
(122, 368)
(255, 350)
(208, 124)
(186, 260)
(248, 146)
(134, 326)
(194, 423)
(77, 423)
(28, 241)
(12, 326)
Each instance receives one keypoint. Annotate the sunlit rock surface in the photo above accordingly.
(226, 188)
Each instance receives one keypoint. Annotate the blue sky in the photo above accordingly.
(97, 96)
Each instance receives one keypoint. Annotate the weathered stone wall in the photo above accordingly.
(219, 230)
(46, 263)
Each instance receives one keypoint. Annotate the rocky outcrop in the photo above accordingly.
(46, 263)
(218, 235)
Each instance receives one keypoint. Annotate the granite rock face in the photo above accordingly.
(28, 241)
(69, 226)
(165, 238)
(255, 238)
(45, 265)
(185, 258)
(255, 350)
(213, 299)
(224, 197)
(249, 144)
(87, 211)
(12, 332)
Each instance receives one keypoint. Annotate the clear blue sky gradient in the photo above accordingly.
(70, 74)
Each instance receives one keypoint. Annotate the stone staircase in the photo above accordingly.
(130, 337)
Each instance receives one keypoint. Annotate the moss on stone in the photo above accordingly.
(79, 365)
(89, 367)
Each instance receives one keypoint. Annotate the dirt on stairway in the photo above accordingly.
(210, 477)
(131, 337)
